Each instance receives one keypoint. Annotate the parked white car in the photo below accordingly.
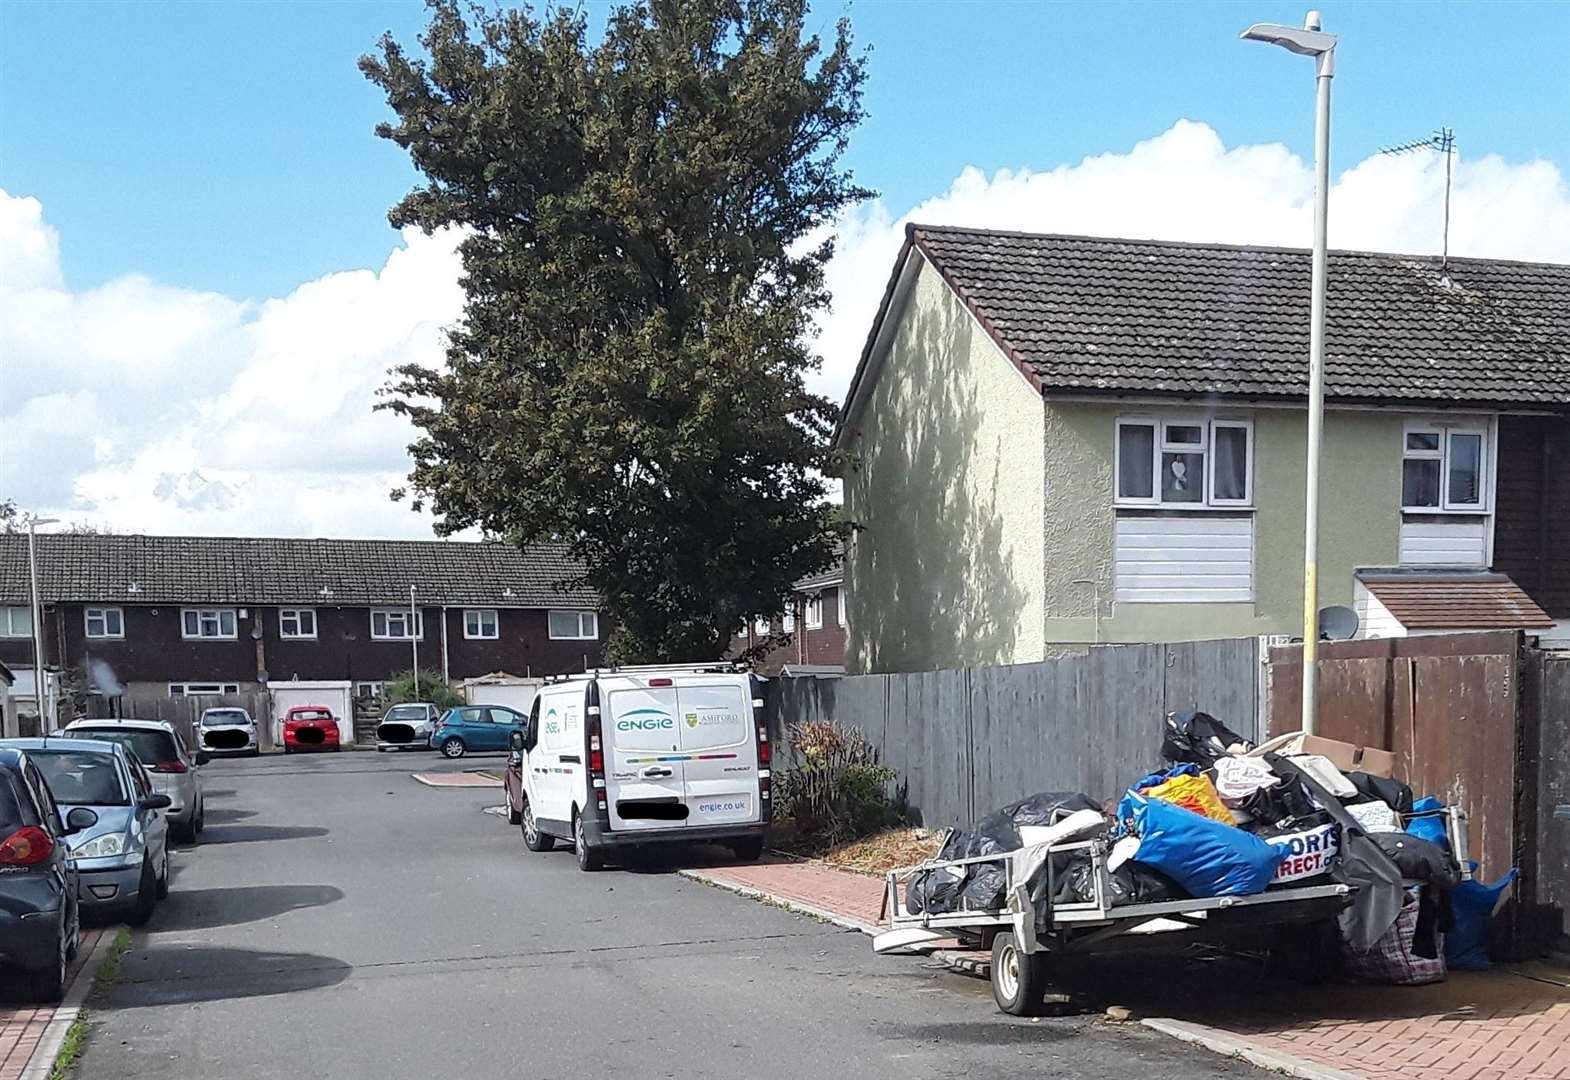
(174, 770)
(228, 730)
(635, 756)
(407, 726)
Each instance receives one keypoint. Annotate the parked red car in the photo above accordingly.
(310, 727)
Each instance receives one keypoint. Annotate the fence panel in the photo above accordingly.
(1545, 803)
(1220, 677)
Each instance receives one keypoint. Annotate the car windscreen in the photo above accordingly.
(407, 714)
(224, 717)
(82, 778)
(150, 747)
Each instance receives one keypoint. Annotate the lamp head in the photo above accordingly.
(1306, 42)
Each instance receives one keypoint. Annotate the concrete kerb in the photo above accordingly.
(979, 965)
(790, 905)
(42, 1062)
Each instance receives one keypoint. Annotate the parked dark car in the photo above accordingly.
(310, 727)
(512, 779)
(475, 727)
(40, 923)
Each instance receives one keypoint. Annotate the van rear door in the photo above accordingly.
(645, 772)
(719, 743)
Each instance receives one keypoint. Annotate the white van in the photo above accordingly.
(623, 757)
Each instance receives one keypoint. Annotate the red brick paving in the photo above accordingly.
(1474, 1026)
(22, 1025)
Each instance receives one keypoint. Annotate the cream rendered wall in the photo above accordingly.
(944, 486)
(1360, 523)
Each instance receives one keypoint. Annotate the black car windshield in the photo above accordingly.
(150, 747)
(82, 778)
(224, 717)
(407, 713)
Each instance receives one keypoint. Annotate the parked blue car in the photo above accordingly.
(475, 727)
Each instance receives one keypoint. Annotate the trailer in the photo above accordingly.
(1025, 934)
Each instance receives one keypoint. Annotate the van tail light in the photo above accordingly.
(596, 760)
(661, 682)
(175, 766)
(765, 756)
(28, 846)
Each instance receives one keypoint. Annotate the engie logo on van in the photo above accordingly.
(645, 720)
(552, 723)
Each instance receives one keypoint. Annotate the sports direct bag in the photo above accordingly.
(1187, 787)
(1205, 857)
(1309, 853)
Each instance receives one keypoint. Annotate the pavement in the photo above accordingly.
(341, 919)
(29, 1032)
(1505, 1024)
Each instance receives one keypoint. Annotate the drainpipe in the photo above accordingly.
(446, 675)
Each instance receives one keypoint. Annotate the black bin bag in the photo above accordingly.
(945, 889)
(1198, 739)
(1044, 808)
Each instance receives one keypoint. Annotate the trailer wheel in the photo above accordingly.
(1017, 983)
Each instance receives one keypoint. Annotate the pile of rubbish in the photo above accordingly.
(1227, 818)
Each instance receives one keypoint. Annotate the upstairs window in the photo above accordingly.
(788, 621)
(296, 622)
(16, 621)
(207, 623)
(396, 624)
(105, 622)
(1183, 463)
(814, 612)
(480, 623)
(1444, 468)
(574, 625)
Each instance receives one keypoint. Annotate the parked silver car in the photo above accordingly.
(175, 772)
(119, 837)
(228, 730)
(407, 726)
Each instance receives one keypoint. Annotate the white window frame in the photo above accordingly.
(202, 689)
(216, 614)
(373, 685)
(593, 618)
(1446, 431)
(8, 630)
(841, 605)
(102, 615)
(1160, 444)
(788, 620)
(479, 633)
(760, 627)
(812, 612)
(285, 615)
(403, 615)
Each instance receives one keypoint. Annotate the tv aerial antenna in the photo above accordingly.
(1442, 141)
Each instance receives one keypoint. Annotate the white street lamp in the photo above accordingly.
(414, 640)
(46, 723)
(1311, 41)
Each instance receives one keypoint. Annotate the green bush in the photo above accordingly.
(401, 688)
(834, 789)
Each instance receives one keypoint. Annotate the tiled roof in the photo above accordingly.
(232, 570)
(1082, 315)
(1462, 601)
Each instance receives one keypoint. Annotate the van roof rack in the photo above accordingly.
(726, 667)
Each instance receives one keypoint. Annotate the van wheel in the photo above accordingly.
(589, 859)
(533, 838)
(748, 849)
(1018, 984)
(453, 747)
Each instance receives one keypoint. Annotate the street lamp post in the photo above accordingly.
(44, 721)
(414, 640)
(1311, 41)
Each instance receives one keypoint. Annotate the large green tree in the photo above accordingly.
(647, 223)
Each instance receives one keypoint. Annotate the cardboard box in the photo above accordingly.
(1348, 757)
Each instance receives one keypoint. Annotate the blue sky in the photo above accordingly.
(228, 146)
(200, 295)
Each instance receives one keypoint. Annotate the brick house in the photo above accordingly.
(816, 623)
(183, 615)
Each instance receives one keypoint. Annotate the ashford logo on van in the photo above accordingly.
(645, 720)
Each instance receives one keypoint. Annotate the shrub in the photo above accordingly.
(433, 688)
(835, 789)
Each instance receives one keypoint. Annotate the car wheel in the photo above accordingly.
(453, 747)
(163, 878)
(201, 819)
(533, 838)
(146, 897)
(381, 749)
(514, 815)
(589, 859)
(48, 985)
(256, 751)
(748, 849)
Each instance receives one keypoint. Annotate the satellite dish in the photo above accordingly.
(1337, 623)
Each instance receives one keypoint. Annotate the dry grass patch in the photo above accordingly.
(881, 852)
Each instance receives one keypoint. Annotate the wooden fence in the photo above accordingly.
(967, 741)
(1545, 800)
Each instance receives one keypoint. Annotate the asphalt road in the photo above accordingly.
(341, 920)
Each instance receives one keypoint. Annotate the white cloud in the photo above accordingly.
(152, 408)
(1185, 184)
